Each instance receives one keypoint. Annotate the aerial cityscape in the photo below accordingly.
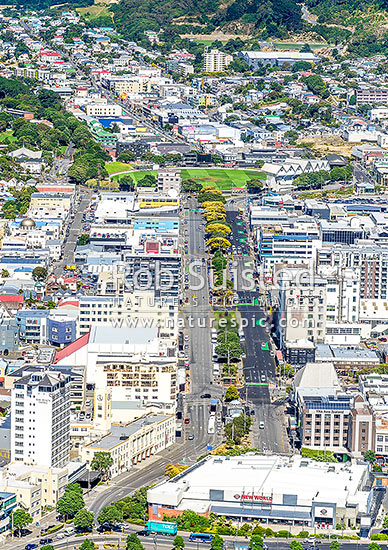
(193, 275)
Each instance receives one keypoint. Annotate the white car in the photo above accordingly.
(261, 425)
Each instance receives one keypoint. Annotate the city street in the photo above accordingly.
(154, 542)
(259, 365)
(75, 229)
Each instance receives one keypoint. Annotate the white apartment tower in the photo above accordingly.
(40, 425)
(215, 61)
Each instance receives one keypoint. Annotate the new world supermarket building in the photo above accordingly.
(269, 488)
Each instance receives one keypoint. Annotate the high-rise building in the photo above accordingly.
(40, 426)
(215, 61)
(302, 306)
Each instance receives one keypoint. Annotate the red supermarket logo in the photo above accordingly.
(260, 498)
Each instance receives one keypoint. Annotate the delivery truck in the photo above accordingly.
(161, 527)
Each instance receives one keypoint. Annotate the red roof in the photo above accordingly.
(12, 298)
(72, 348)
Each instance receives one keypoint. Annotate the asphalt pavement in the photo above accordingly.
(259, 365)
(160, 541)
(75, 229)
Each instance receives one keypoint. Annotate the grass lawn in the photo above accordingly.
(112, 167)
(223, 178)
(297, 45)
(97, 10)
(7, 134)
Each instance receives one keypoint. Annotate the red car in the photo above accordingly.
(187, 420)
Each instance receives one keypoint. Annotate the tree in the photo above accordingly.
(306, 48)
(218, 228)
(255, 185)
(20, 519)
(370, 456)
(133, 542)
(239, 427)
(191, 186)
(110, 515)
(256, 542)
(211, 196)
(334, 545)
(231, 394)
(4, 273)
(126, 156)
(102, 461)
(173, 470)
(126, 183)
(218, 242)
(147, 181)
(179, 543)
(87, 545)
(69, 504)
(296, 545)
(353, 99)
(84, 520)
(39, 273)
(385, 522)
(83, 239)
(316, 84)
(217, 543)
(374, 546)
(47, 547)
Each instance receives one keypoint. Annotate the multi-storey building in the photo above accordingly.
(371, 95)
(131, 444)
(133, 370)
(215, 61)
(302, 306)
(294, 242)
(370, 260)
(169, 181)
(323, 408)
(40, 427)
(137, 309)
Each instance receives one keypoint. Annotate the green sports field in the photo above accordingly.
(223, 178)
(112, 167)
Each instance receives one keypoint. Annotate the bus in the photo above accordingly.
(200, 537)
(211, 428)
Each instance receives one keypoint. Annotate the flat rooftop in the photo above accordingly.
(118, 433)
(272, 477)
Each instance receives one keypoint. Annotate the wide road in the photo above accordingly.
(75, 229)
(153, 542)
(196, 313)
(259, 365)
